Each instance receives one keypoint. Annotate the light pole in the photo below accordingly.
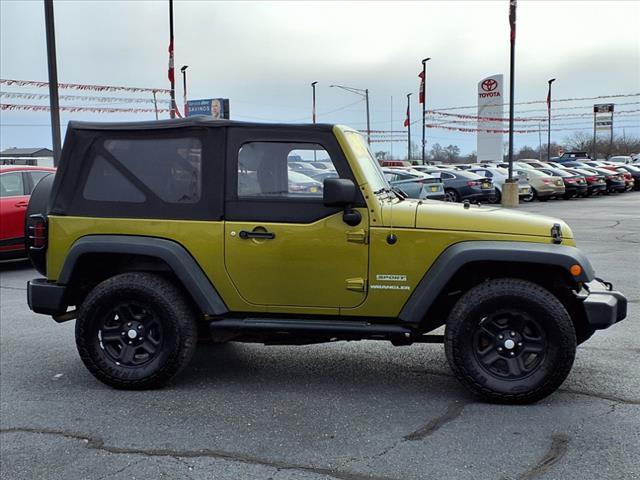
(549, 120)
(183, 69)
(363, 93)
(313, 108)
(423, 100)
(53, 80)
(408, 122)
(172, 79)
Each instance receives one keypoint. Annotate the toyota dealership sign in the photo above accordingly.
(490, 114)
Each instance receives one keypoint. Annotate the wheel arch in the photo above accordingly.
(466, 264)
(94, 258)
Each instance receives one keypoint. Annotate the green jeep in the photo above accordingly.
(153, 234)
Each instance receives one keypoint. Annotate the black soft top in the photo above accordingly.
(195, 121)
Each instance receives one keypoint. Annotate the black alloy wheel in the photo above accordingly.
(131, 333)
(136, 331)
(509, 344)
(510, 341)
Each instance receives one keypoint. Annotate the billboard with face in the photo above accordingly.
(218, 108)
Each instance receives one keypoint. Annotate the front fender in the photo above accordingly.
(463, 253)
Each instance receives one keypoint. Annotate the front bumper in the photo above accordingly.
(603, 305)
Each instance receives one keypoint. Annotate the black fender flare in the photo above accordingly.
(175, 255)
(460, 254)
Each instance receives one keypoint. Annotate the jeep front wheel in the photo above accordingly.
(510, 341)
(135, 331)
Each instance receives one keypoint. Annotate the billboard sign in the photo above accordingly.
(218, 108)
(603, 116)
(490, 113)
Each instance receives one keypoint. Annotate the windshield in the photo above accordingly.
(368, 164)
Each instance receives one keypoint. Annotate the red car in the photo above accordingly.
(16, 184)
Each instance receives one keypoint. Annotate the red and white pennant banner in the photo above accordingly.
(46, 108)
(80, 86)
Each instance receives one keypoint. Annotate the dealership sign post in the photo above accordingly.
(602, 120)
(490, 112)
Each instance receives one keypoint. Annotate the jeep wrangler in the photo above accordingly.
(153, 234)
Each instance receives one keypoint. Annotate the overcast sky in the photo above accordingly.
(264, 55)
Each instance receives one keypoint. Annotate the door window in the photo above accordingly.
(11, 184)
(35, 178)
(280, 169)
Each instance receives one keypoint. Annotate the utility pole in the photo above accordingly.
(172, 78)
(155, 104)
(549, 120)
(408, 121)
(363, 93)
(510, 187)
(391, 127)
(313, 105)
(53, 80)
(423, 100)
(183, 69)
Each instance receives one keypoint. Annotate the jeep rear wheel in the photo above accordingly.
(135, 331)
(510, 341)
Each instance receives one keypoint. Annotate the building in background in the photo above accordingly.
(27, 156)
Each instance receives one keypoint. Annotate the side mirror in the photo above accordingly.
(339, 192)
(342, 192)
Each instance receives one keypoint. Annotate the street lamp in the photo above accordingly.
(363, 93)
(423, 100)
(183, 69)
(549, 120)
(408, 122)
(313, 110)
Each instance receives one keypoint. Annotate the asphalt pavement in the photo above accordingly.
(350, 411)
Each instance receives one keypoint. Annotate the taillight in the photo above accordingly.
(37, 232)
(570, 180)
(547, 181)
(474, 183)
(591, 178)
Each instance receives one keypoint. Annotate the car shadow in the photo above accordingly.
(15, 264)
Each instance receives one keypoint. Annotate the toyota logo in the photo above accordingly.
(489, 85)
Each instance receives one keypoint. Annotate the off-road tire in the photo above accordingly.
(172, 315)
(523, 299)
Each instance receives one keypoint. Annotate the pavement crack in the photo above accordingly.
(13, 288)
(454, 410)
(557, 450)
(96, 443)
(601, 396)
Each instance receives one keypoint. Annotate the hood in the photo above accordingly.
(436, 215)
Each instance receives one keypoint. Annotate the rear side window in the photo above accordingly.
(11, 184)
(171, 168)
(106, 184)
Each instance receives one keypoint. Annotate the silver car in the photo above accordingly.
(499, 176)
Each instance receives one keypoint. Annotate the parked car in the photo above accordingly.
(16, 184)
(629, 179)
(615, 181)
(545, 186)
(626, 159)
(304, 167)
(323, 165)
(300, 183)
(575, 185)
(535, 163)
(596, 184)
(634, 172)
(498, 176)
(324, 174)
(415, 184)
(571, 157)
(461, 185)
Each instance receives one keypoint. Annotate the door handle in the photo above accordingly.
(262, 235)
(22, 204)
